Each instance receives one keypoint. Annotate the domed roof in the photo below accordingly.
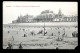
(46, 11)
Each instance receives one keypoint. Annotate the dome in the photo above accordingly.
(46, 11)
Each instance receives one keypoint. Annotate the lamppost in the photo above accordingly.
(44, 29)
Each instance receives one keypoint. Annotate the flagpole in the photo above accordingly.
(44, 29)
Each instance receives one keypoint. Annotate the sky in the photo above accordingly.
(13, 9)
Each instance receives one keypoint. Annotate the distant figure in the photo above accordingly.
(40, 32)
(57, 44)
(25, 35)
(9, 46)
(8, 32)
(63, 35)
(75, 34)
(52, 34)
(32, 33)
(59, 32)
(56, 47)
(59, 39)
(46, 32)
(12, 38)
(23, 29)
(20, 46)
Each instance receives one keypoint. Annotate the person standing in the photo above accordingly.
(20, 46)
(8, 32)
(52, 34)
(9, 46)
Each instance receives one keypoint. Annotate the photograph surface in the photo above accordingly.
(40, 25)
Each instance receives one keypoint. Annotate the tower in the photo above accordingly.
(59, 13)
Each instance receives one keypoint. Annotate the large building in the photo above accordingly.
(23, 19)
(46, 16)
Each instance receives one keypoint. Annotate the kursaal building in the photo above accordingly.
(46, 16)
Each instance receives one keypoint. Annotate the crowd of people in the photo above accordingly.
(55, 31)
(59, 32)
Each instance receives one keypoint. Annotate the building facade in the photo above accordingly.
(46, 16)
(23, 19)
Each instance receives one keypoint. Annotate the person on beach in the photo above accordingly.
(9, 46)
(20, 46)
